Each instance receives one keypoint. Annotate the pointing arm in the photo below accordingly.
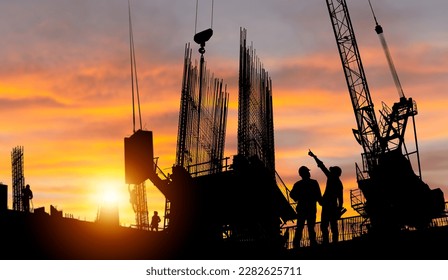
(320, 164)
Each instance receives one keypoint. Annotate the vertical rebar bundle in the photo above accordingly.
(140, 205)
(255, 114)
(18, 179)
(202, 119)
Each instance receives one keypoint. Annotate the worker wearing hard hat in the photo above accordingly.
(332, 200)
(27, 195)
(306, 192)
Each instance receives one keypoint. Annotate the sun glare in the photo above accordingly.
(110, 197)
(110, 192)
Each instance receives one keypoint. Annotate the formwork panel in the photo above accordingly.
(138, 157)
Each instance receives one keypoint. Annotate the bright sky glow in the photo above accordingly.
(65, 89)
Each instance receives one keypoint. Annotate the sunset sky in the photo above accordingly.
(65, 87)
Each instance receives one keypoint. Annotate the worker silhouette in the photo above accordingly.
(332, 200)
(306, 192)
(27, 195)
(155, 220)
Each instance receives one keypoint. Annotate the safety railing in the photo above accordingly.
(349, 228)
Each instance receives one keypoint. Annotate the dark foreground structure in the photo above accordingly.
(32, 236)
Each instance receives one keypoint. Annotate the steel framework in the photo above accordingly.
(202, 119)
(18, 179)
(255, 114)
(140, 205)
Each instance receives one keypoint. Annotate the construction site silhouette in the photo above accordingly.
(238, 207)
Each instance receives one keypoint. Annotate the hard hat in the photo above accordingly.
(336, 170)
(303, 170)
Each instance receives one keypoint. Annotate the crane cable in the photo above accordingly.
(379, 31)
(196, 18)
(133, 72)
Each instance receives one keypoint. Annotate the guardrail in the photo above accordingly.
(349, 228)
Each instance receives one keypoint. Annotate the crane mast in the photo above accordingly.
(367, 133)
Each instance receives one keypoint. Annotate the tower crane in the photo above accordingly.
(393, 196)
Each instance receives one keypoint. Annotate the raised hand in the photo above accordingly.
(311, 154)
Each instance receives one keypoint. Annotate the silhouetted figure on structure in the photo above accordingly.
(27, 194)
(155, 220)
(306, 192)
(332, 200)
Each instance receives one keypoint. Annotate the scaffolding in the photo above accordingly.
(140, 205)
(18, 179)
